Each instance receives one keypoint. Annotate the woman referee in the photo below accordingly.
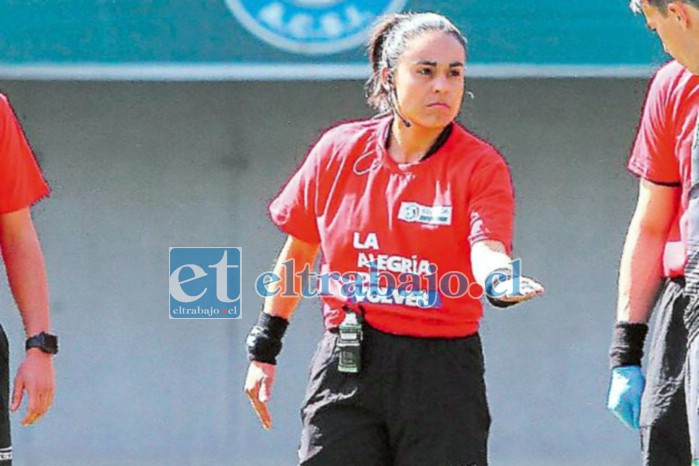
(396, 381)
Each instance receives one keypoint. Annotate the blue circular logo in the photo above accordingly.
(311, 27)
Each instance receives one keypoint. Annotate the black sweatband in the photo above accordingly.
(497, 302)
(627, 344)
(264, 342)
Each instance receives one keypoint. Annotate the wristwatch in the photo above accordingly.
(44, 341)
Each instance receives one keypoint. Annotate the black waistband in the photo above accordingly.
(677, 280)
(369, 329)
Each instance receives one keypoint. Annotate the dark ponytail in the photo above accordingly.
(376, 94)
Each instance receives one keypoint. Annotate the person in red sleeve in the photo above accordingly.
(657, 274)
(410, 194)
(666, 156)
(652, 274)
(21, 185)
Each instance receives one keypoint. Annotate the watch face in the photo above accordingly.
(50, 341)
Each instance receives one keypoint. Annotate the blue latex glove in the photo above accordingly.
(625, 390)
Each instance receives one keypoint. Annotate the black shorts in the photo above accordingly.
(664, 432)
(5, 439)
(415, 402)
(692, 389)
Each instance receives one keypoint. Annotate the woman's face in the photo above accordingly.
(429, 79)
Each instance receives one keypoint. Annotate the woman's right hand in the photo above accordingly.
(258, 387)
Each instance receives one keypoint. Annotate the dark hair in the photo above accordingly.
(659, 4)
(388, 41)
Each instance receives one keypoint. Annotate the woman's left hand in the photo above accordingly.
(518, 289)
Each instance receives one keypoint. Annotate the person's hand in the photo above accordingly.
(510, 292)
(36, 376)
(258, 387)
(625, 390)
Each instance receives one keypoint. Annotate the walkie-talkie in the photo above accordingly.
(350, 343)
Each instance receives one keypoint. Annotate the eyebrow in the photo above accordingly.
(434, 63)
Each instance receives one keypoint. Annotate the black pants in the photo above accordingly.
(692, 389)
(5, 440)
(416, 402)
(664, 431)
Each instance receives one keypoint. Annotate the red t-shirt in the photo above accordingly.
(663, 148)
(352, 198)
(21, 183)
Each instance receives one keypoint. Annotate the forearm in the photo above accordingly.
(265, 339)
(26, 272)
(640, 274)
(487, 256)
(284, 303)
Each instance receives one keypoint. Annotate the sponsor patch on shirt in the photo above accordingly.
(413, 212)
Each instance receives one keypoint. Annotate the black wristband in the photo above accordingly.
(495, 302)
(627, 344)
(264, 342)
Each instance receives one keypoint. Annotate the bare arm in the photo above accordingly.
(260, 376)
(641, 271)
(303, 255)
(487, 256)
(26, 274)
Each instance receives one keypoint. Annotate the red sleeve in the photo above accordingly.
(21, 182)
(491, 202)
(652, 156)
(295, 209)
